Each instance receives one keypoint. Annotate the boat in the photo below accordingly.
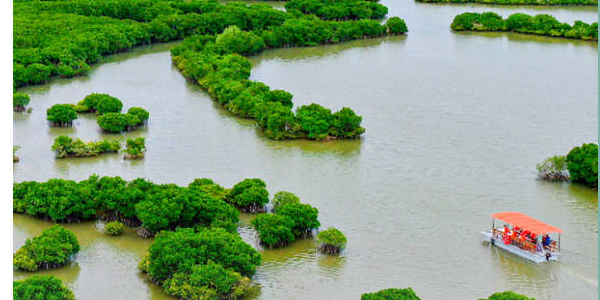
(524, 236)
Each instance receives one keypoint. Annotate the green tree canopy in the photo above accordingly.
(391, 294)
(41, 287)
(274, 230)
(582, 163)
(61, 114)
(53, 248)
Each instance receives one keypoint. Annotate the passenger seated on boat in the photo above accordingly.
(546, 241)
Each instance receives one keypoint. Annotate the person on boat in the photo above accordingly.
(505, 230)
(546, 241)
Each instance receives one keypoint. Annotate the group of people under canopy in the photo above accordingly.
(526, 239)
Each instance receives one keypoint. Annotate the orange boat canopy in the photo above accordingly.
(526, 222)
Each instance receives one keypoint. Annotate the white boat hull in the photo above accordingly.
(537, 257)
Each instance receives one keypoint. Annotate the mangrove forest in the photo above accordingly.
(542, 24)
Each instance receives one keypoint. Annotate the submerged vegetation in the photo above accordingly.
(100, 103)
(249, 195)
(205, 264)
(580, 165)
(518, 2)
(541, 24)
(51, 249)
(64, 146)
(41, 287)
(331, 241)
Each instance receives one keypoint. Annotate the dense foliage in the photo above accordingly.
(153, 207)
(100, 103)
(61, 115)
(181, 250)
(553, 169)
(518, 2)
(508, 295)
(291, 219)
(208, 281)
(283, 197)
(339, 9)
(140, 113)
(53, 248)
(64, 37)
(64, 146)
(303, 217)
(274, 230)
(114, 122)
(582, 163)
(41, 287)
(331, 241)
(541, 24)
(391, 294)
(20, 101)
(135, 148)
(114, 228)
(249, 195)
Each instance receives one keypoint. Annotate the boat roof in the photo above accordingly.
(526, 222)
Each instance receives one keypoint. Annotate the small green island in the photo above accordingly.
(542, 24)
(52, 249)
(41, 287)
(579, 165)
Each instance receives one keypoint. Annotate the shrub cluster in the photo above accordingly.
(41, 287)
(153, 207)
(582, 163)
(541, 24)
(292, 219)
(518, 2)
(391, 294)
(208, 264)
(331, 241)
(339, 9)
(53, 248)
(99, 103)
(135, 148)
(64, 146)
(114, 228)
(20, 101)
(116, 122)
(249, 195)
(61, 115)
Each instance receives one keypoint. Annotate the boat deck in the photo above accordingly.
(537, 257)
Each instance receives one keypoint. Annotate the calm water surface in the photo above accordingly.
(455, 125)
